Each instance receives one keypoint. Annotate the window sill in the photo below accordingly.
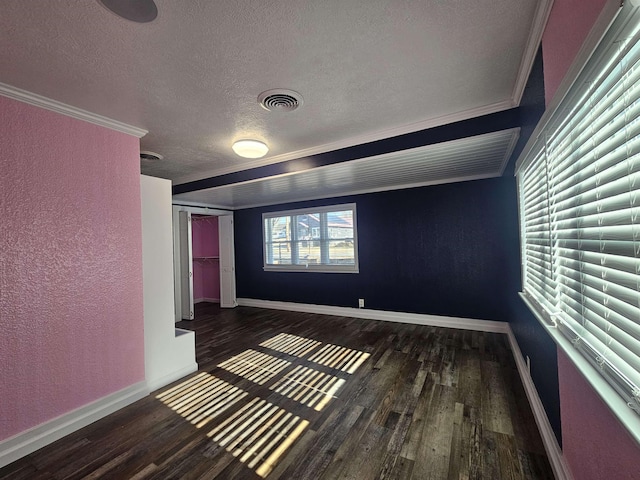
(310, 269)
(629, 418)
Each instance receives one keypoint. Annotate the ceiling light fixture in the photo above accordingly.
(139, 11)
(250, 148)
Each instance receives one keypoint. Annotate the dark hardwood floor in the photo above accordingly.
(302, 396)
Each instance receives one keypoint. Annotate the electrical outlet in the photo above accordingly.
(361, 303)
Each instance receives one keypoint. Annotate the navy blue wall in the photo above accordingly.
(532, 338)
(442, 250)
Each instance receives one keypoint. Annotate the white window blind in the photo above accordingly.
(579, 191)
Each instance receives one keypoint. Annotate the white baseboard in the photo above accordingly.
(399, 317)
(157, 383)
(37, 437)
(554, 452)
(205, 299)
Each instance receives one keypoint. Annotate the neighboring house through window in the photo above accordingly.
(319, 239)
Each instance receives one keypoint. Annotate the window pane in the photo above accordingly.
(340, 224)
(278, 240)
(308, 226)
(279, 253)
(341, 252)
(308, 252)
(277, 229)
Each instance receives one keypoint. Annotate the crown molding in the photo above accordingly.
(352, 141)
(543, 10)
(68, 110)
(510, 148)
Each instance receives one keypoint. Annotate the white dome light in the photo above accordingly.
(250, 148)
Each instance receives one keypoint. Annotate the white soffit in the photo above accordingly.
(482, 156)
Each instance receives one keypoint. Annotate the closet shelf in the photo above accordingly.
(211, 220)
(204, 259)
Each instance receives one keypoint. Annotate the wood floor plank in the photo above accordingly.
(508, 460)
(327, 441)
(410, 448)
(345, 452)
(458, 445)
(367, 459)
(145, 472)
(394, 447)
(296, 455)
(434, 449)
(369, 400)
(402, 469)
(496, 414)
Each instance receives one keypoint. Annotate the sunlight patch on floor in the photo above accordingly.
(309, 387)
(201, 398)
(291, 344)
(259, 434)
(255, 366)
(340, 358)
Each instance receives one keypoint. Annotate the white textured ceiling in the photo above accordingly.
(367, 70)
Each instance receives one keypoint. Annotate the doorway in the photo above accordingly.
(204, 265)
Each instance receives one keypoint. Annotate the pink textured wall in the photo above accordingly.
(594, 444)
(197, 247)
(569, 24)
(210, 237)
(211, 281)
(71, 306)
(206, 275)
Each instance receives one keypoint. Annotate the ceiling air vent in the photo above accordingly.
(280, 100)
(144, 155)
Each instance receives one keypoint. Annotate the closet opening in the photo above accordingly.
(206, 258)
(203, 259)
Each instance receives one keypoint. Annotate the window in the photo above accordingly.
(579, 194)
(321, 239)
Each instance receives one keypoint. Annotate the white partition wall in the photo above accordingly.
(169, 352)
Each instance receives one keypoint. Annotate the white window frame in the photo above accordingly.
(324, 237)
(556, 228)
